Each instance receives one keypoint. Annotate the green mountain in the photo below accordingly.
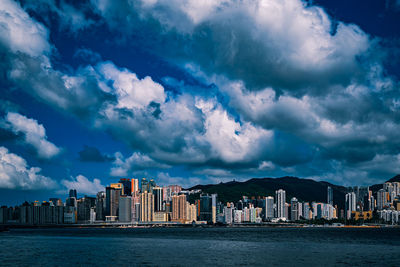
(303, 189)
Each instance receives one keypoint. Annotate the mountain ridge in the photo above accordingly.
(304, 189)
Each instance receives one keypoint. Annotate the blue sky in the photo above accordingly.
(196, 92)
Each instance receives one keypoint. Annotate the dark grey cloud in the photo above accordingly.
(92, 154)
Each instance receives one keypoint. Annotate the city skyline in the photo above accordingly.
(196, 92)
(125, 204)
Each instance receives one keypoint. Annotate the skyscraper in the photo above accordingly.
(381, 199)
(158, 198)
(294, 211)
(179, 208)
(228, 213)
(72, 193)
(330, 195)
(127, 184)
(146, 207)
(100, 206)
(136, 207)
(269, 208)
(135, 187)
(205, 208)
(118, 186)
(147, 185)
(125, 209)
(214, 208)
(144, 185)
(112, 200)
(350, 204)
(280, 203)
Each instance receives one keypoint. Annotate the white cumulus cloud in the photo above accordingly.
(16, 174)
(34, 134)
(83, 185)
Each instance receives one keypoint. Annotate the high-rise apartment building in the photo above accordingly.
(136, 207)
(179, 208)
(214, 200)
(381, 199)
(146, 207)
(350, 204)
(280, 203)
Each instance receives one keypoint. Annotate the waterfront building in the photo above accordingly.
(192, 214)
(136, 207)
(84, 206)
(280, 203)
(269, 208)
(306, 211)
(237, 216)
(330, 195)
(100, 206)
(350, 204)
(70, 215)
(125, 209)
(179, 208)
(146, 207)
(294, 209)
(300, 210)
(287, 207)
(381, 199)
(228, 213)
(214, 208)
(245, 214)
(160, 216)
(253, 214)
(112, 200)
(158, 198)
(205, 208)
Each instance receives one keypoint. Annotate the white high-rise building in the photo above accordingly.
(381, 199)
(280, 203)
(350, 204)
(300, 210)
(228, 213)
(237, 214)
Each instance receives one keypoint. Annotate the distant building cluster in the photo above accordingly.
(361, 203)
(128, 202)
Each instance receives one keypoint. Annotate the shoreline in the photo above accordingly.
(5, 227)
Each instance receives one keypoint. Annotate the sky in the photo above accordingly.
(196, 92)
